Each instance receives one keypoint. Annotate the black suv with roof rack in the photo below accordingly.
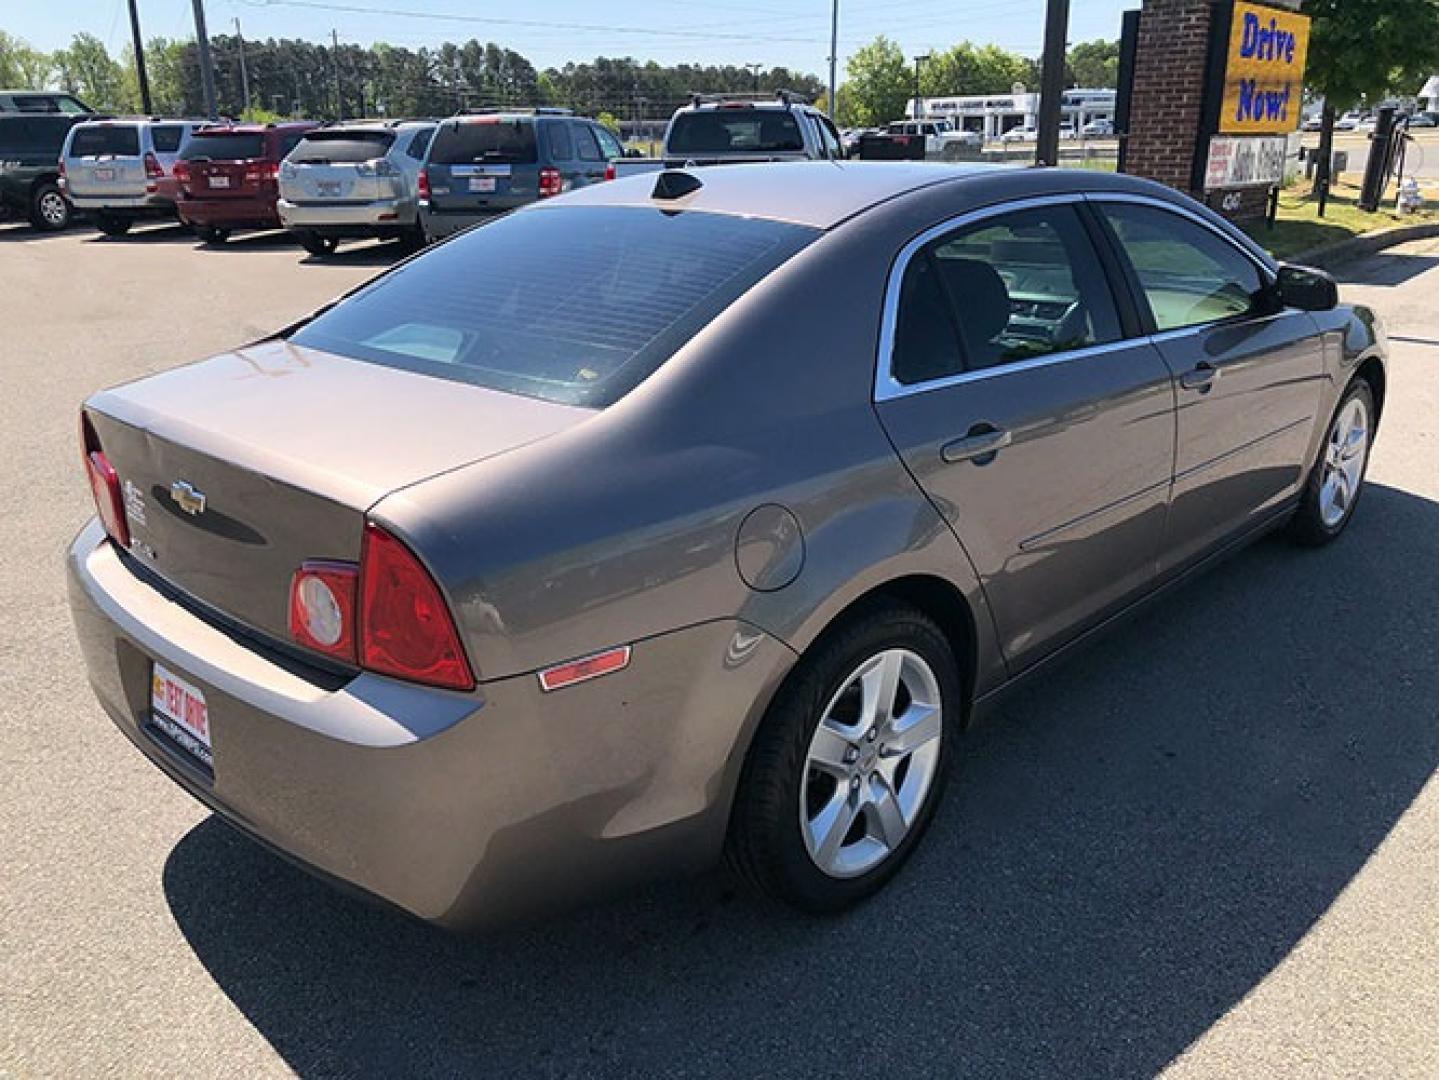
(485, 162)
(33, 128)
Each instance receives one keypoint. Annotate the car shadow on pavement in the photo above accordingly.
(1388, 268)
(1131, 845)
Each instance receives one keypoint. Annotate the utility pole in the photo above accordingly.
(833, 58)
(754, 69)
(918, 106)
(244, 71)
(1051, 82)
(207, 65)
(335, 55)
(144, 79)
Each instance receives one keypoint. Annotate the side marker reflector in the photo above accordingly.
(591, 667)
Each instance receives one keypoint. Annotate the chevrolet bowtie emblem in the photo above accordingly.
(187, 497)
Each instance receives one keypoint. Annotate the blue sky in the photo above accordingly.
(794, 33)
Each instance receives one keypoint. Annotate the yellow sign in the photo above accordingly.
(1264, 71)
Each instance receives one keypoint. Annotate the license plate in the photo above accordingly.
(219, 181)
(104, 174)
(482, 183)
(328, 187)
(178, 709)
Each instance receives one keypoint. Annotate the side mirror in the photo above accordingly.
(1306, 288)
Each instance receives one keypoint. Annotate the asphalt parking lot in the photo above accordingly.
(1209, 844)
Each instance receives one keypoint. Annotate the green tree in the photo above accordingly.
(21, 66)
(975, 69)
(1364, 50)
(88, 70)
(880, 83)
(609, 120)
(1094, 65)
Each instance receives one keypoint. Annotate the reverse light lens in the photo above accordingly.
(322, 608)
(405, 627)
(104, 486)
(422, 184)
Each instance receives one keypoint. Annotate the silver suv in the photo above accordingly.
(120, 171)
(355, 179)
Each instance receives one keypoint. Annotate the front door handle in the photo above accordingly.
(979, 446)
(1202, 376)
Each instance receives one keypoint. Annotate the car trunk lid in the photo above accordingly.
(105, 161)
(341, 166)
(237, 469)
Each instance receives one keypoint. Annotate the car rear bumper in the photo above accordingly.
(239, 213)
(152, 203)
(439, 223)
(356, 219)
(469, 810)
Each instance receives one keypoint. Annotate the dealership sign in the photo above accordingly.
(1256, 161)
(1263, 76)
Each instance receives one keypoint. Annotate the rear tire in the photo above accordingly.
(814, 822)
(209, 234)
(111, 225)
(319, 246)
(1337, 479)
(412, 240)
(49, 209)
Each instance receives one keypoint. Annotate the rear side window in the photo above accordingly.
(476, 142)
(341, 147)
(233, 146)
(419, 144)
(718, 131)
(562, 147)
(109, 139)
(166, 137)
(609, 146)
(570, 304)
(586, 144)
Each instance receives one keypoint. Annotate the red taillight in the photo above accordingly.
(423, 184)
(104, 485)
(322, 608)
(153, 169)
(551, 182)
(610, 171)
(404, 628)
(259, 171)
(181, 172)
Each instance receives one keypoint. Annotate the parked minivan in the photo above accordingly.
(229, 176)
(121, 171)
(355, 179)
(482, 164)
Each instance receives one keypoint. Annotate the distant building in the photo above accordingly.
(994, 114)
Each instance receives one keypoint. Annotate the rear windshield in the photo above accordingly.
(166, 137)
(341, 147)
(721, 131)
(571, 304)
(110, 139)
(468, 142)
(227, 147)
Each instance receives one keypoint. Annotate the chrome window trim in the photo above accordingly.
(887, 388)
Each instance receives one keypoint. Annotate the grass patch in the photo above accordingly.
(1299, 227)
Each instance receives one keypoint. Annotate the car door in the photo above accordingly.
(591, 164)
(1248, 375)
(1020, 391)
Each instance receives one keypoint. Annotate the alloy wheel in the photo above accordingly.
(1345, 454)
(871, 763)
(52, 209)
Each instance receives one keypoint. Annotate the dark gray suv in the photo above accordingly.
(484, 163)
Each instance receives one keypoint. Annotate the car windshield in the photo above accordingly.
(107, 139)
(719, 131)
(230, 146)
(570, 304)
(341, 147)
(489, 139)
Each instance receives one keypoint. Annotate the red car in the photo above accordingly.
(228, 176)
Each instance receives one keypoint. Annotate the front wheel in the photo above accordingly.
(849, 764)
(208, 234)
(49, 209)
(1337, 478)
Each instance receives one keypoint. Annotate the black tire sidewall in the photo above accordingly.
(789, 727)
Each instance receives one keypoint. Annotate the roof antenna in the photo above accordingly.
(675, 184)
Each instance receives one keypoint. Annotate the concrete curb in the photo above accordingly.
(1331, 255)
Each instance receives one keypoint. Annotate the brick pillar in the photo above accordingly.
(1165, 112)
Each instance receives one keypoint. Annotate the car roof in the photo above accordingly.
(824, 194)
(816, 193)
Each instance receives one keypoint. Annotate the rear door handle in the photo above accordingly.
(982, 442)
(1201, 377)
